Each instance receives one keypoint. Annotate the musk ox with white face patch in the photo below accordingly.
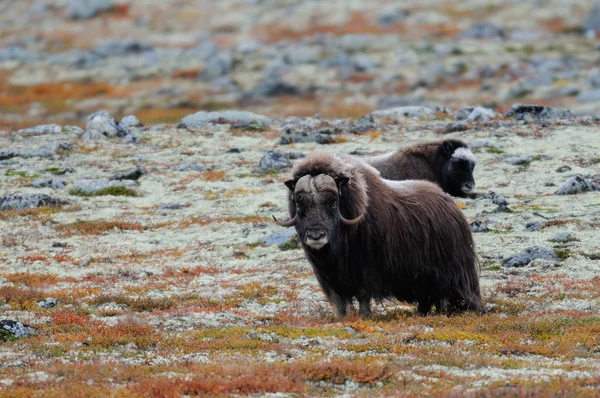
(448, 163)
(368, 238)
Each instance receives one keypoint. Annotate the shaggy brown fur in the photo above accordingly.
(427, 161)
(413, 242)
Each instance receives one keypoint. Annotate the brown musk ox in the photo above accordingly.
(448, 163)
(369, 238)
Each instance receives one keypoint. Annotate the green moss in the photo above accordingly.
(562, 254)
(5, 335)
(53, 170)
(492, 149)
(112, 191)
(291, 244)
(20, 173)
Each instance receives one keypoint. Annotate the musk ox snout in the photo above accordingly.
(316, 238)
(467, 186)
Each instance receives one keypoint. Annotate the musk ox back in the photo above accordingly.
(448, 163)
(368, 238)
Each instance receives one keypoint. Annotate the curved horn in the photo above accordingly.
(289, 223)
(350, 222)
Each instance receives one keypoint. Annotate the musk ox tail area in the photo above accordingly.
(369, 238)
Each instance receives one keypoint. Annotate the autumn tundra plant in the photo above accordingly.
(369, 238)
(448, 163)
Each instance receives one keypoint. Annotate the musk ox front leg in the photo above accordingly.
(364, 306)
(339, 303)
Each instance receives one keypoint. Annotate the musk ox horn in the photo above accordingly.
(350, 222)
(289, 223)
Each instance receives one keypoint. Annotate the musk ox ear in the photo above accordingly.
(448, 148)
(291, 184)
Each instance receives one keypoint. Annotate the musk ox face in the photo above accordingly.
(315, 209)
(458, 170)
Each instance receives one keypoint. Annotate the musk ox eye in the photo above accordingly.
(334, 204)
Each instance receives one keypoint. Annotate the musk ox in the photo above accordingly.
(369, 238)
(448, 163)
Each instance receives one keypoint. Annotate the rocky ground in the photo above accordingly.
(143, 261)
(138, 256)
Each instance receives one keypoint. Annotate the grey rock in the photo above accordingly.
(121, 48)
(273, 86)
(204, 50)
(85, 9)
(534, 226)
(217, 66)
(308, 130)
(592, 21)
(525, 111)
(410, 111)
(13, 364)
(170, 206)
(41, 129)
(479, 226)
(523, 258)
(130, 121)
(391, 17)
(563, 236)
(131, 139)
(454, 127)
(245, 118)
(364, 124)
(476, 114)
(273, 160)
(297, 55)
(574, 185)
(8, 154)
(17, 329)
(49, 150)
(279, 237)
(398, 101)
(132, 174)
(485, 30)
(76, 59)
(101, 125)
(192, 167)
(16, 53)
(28, 201)
(589, 96)
(563, 169)
(89, 187)
(48, 182)
(518, 160)
(47, 303)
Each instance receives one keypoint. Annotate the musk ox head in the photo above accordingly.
(457, 171)
(326, 196)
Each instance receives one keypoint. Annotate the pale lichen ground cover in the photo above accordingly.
(169, 302)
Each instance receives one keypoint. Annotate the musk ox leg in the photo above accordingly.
(442, 306)
(339, 303)
(364, 307)
(424, 306)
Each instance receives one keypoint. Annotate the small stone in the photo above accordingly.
(130, 121)
(47, 303)
(411, 111)
(523, 258)
(100, 125)
(28, 201)
(121, 48)
(217, 66)
(479, 226)
(563, 169)
(543, 263)
(454, 127)
(48, 182)
(484, 30)
(41, 129)
(574, 185)
(525, 111)
(170, 206)
(14, 329)
(84, 263)
(563, 236)
(192, 167)
(313, 129)
(85, 9)
(518, 160)
(202, 119)
(592, 21)
(534, 226)
(364, 124)
(279, 237)
(391, 17)
(273, 160)
(132, 174)
(60, 244)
